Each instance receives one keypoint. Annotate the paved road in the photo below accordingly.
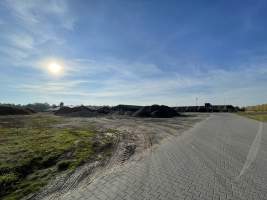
(223, 157)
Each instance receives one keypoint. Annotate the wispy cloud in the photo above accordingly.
(140, 88)
(35, 28)
(36, 12)
(24, 42)
(51, 87)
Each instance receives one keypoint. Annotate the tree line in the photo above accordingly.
(38, 107)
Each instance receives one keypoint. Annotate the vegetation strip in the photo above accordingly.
(260, 116)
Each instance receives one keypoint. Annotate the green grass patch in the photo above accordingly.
(259, 116)
(33, 151)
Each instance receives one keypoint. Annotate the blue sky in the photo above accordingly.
(134, 52)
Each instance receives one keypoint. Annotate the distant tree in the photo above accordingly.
(61, 104)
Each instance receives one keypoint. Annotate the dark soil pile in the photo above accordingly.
(79, 111)
(130, 110)
(104, 110)
(7, 110)
(125, 109)
(156, 111)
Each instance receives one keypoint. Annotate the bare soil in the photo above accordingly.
(134, 137)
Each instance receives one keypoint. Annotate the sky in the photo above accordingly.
(133, 52)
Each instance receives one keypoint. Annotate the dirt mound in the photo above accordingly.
(79, 111)
(7, 110)
(104, 110)
(125, 109)
(156, 111)
(130, 110)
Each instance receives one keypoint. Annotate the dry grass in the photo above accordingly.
(260, 116)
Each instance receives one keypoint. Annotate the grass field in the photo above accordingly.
(260, 116)
(33, 150)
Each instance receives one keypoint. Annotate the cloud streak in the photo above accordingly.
(36, 28)
(36, 12)
(134, 85)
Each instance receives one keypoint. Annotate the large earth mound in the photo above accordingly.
(79, 111)
(83, 111)
(125, 109)
(104, 110)
(129, 110)
(8, 110)
(156, 111)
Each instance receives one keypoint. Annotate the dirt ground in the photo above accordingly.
(136, 136)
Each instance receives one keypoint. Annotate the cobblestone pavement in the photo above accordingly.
(223, 157)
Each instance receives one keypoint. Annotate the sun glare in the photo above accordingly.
(55, 68)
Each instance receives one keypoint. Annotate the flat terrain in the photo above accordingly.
(222, 157)
(260, 116)
(136, 136)
(35, 148)
(53, 155)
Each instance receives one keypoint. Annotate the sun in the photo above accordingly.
(55, 68)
